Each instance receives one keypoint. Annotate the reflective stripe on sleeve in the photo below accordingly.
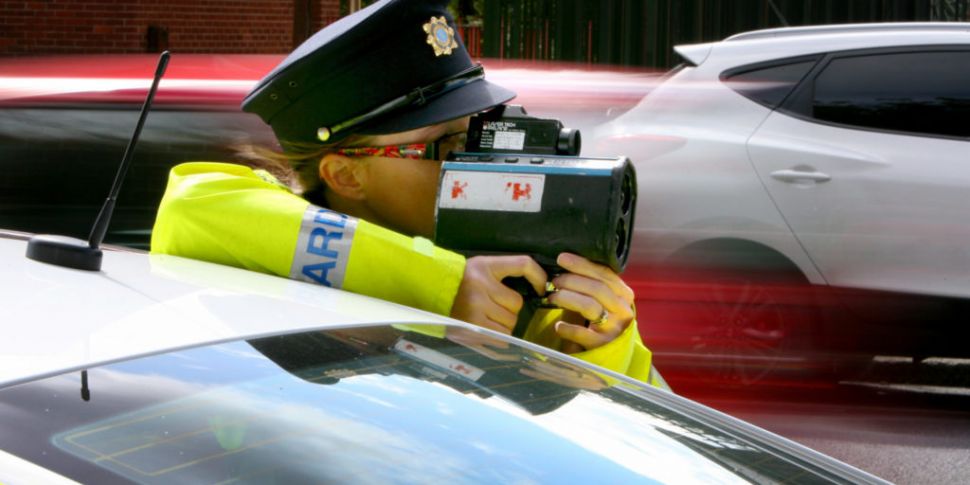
(323, 247)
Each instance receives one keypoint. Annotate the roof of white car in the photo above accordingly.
(57, 319)
(769, 44)
(869, 28)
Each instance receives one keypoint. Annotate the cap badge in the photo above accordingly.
(441, 37)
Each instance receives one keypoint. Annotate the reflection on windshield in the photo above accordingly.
(369, 405)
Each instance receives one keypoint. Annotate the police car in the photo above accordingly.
(159, 369)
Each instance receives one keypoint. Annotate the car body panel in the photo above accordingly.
(862, 227)
(872, 27)
(136, 305)
(655, 134)
(741, 52)
(14, 469)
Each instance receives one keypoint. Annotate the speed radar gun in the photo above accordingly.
(521, 188)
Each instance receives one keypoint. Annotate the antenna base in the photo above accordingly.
(64, 251)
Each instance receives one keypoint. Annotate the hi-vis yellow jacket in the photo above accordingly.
(234, 215)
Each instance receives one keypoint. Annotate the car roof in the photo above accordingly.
(58, 319)
(869, 28)
(769, 44)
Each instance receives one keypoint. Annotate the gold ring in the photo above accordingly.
(602, 319)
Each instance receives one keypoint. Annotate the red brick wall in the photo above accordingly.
(117, 26)
(329, 12)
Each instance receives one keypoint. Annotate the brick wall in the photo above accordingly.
(119, 26)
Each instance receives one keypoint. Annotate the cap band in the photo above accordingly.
(416, 97)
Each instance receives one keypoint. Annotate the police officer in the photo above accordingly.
(365, 110)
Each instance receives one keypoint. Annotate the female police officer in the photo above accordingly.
(365, 110)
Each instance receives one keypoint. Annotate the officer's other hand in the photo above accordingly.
(565, 375)
(589, 290)
(486, 345)
(483, 300)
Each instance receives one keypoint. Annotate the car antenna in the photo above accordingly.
(75, 253)
(85, 390)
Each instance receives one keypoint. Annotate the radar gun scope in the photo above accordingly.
(521, 189)
(508, 129)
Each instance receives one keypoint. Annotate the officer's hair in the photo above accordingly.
(298, 168)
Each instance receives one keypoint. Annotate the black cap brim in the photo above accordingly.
(474, 97)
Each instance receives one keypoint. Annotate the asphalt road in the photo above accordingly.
(906, 423)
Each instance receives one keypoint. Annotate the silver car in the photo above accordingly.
(837, 156)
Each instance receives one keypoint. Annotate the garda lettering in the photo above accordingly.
(324, 246)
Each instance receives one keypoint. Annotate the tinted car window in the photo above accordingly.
(768, 85)
(369, 405)
(60, 162)
(915, 92)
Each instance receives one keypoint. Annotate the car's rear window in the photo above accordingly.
(768, 85)
(59, 162)
(366, 405)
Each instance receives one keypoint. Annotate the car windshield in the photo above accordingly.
(388, 404)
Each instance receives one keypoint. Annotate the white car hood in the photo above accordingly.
(57, 319)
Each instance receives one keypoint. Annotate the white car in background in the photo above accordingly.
(833, 155)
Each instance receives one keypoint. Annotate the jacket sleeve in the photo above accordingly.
(626, 354)
(230, 214)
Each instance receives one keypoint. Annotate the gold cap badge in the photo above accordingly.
(440, 36)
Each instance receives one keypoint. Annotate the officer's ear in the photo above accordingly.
(344, 176)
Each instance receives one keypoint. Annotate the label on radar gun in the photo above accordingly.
(504, 192)
(500, 135)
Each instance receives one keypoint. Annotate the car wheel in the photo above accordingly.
(756, 329)
(730, 313)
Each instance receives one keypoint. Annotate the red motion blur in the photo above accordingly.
(221, 81)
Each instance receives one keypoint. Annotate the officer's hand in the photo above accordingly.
(486, 345)
(482, 299)
(589, 290)
(565, 375)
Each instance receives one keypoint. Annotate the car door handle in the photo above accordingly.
(792, 176)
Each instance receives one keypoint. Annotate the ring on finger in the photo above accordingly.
(602, 318)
